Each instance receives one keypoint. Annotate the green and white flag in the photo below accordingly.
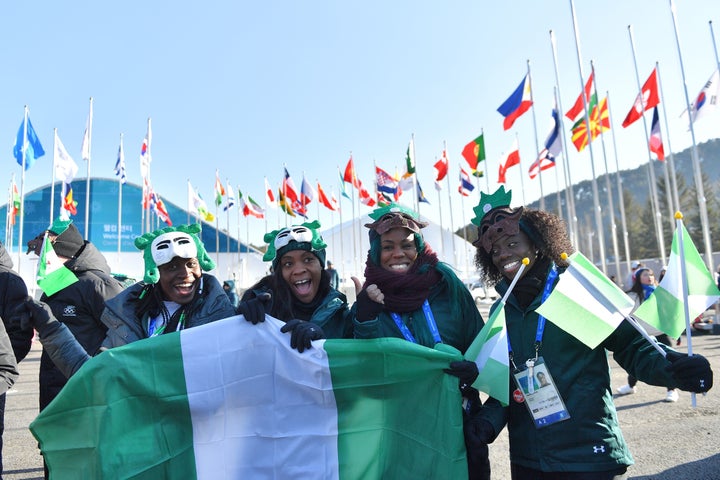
(665, 308)
(52, 274)
(489, 351)
(586, 303)
(231, 400)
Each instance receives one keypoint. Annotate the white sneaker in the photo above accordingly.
(672, 396)
(626, 390)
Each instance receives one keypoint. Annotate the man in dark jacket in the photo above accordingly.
(80, 305)
(12, 292)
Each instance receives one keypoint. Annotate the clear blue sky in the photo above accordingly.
(245, 87)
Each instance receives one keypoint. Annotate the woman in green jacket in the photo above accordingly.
(581, 439)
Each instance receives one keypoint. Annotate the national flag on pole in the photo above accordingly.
(511, 159)
(27, 141)
(553, 148)
(599, 123)
(474, 152)
(385, 182)
(489, 351)
(158, 206)
(707, 100)
(517, 104)
(145, 157)
(586, 303)
(69, 205)
(420, 195)
(665, 309)
(289, 190)
(323, 199)
(219, 189)
(350, 175)
(579, 105)
(120, 164)
(269, 196)
(307, 192)
(15, 201)
(381, 408)
(410, 157)
(229, 199)
(65, 166)
(52, 274)
(656, 143)
(365, 197)
(466, 187)
(283, 202)
(85, 147)
(646, 99)
(441, 167)
(197, 204)
(251, 207)
(343, 192)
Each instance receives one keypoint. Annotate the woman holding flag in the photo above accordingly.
(569, 429)
(409, 294)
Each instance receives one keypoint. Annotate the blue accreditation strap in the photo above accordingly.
(429, 317)
(541, 320)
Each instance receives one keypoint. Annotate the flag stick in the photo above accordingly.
(52, 177)
(684, 286)
(87, 181)
(525, 263)
(645, 335)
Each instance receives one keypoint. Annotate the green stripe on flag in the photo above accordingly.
(489, 350)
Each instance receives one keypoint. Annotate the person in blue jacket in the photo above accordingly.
(569, 429)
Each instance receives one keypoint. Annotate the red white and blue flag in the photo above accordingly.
(518, 103)
(553, 148)
(466, 187)
(307, 192)
(385, 182)
(656, 143)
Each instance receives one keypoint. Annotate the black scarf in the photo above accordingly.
(533, 282)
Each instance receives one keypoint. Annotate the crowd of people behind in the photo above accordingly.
(407, 292)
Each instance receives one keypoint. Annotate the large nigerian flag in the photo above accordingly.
(232, 400)
(586, 303)
(489, 351)
(665, 308)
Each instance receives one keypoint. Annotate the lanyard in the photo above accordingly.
(429, 317)
(552, 275)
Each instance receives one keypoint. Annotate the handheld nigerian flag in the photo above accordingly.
(683, 293)
(232, 400)
(489, 350)
(52, 275)
(586, 303)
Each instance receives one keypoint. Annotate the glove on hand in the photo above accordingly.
(302, 333)
(692, 374)
(254, 309)
(465, 370)
(478, 433)
(34, 314)
(367, 309)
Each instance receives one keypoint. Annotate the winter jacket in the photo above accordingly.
(231, 293)
(79, 306)
(8, 366)
(590, 440)
(458, 332)
(13, 292)
(124, 326)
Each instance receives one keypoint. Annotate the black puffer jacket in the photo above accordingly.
(13, 291)
(79, 306)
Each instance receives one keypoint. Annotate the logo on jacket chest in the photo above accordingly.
(70, 311)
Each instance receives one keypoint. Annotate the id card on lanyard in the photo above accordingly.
(541, 396)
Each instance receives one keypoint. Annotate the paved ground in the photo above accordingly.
(670, 441)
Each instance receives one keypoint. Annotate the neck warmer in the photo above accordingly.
(405, 292)
(532, 283)
(647, 290)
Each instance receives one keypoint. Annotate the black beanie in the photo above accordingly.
(68, 242)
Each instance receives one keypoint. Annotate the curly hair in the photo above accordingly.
(546, 231)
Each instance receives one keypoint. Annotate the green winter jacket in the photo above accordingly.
(458, 332)
(591, 439)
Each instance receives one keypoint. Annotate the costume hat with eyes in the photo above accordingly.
(161, 246)
(395, 216)
(495, 219)
(296, 237)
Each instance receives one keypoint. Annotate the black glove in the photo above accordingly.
(692, 374)
(367, 309)
(466, 371)
(38, 315)
(254, 309)
(478, 433)
(302, 333)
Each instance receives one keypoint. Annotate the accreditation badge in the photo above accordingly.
(541, 396)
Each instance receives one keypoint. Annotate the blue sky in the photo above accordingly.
(247, 87)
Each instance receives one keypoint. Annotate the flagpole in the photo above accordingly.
(670, 181)
(569, 190)
(87, 181)
(52, 181)
(621, 198)
(188, 201)
(442, 235)
(608, 187)
(238, 226)
(558, 197)
(22, 186)
(465, 252)
(121, 160)
(702, 203)
(9, 216)
(596, 200)
(340, 230)
(522, 181)
(452, 227)
(537, 143)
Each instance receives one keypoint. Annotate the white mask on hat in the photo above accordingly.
(298, 233)
(170, 245)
